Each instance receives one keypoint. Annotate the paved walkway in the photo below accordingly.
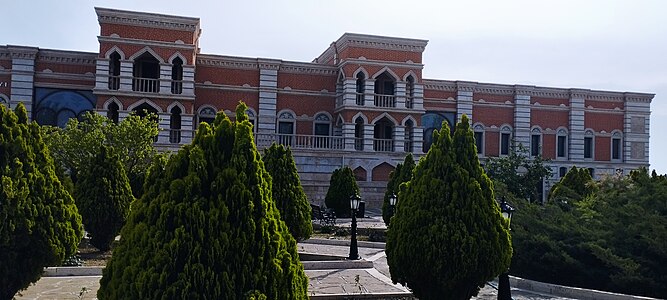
(324, 284)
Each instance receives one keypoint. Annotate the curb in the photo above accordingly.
(360, 244)
(569, 292)
(378, 296)
(72, 271)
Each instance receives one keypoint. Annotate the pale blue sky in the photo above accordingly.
(605, 45)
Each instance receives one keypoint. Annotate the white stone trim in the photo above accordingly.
(179, 55)
(147, 101)
(176, 103)
(378, 118)
(149, 50)
(389, 71)
(113, 49)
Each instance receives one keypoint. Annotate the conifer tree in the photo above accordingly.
(575, 185)
(401, 174)
(448, 237)
(207, 227)
(39, 223)
(288, 193)
(341, 186)
(103, 196)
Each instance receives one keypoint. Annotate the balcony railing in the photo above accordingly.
(409, 102)
(358, 144)
(177, 87)
(385, 101)
(299, 141)
(383, 145)
(174, 136)
(114, 82)
(147, 85)
(360, 98)
(407, 147)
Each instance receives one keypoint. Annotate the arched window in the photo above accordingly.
(561, 144)
(361, 87)
(114, 71)
(505, 137)
(383, 135)
(177, 76)
(535, 142)
(146, 73)
(385, 87)
(409, 136)
(286, 128)
(589, 145)
(112, 112)
(409, 92)
(616, 146)
(359, 134)
(175, 125)
(206, 115)
(322, 130)
(479, 138)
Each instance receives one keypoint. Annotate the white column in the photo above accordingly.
(163, 135)
(463, 105)
(418, 101)
(369, 93)
(369, 137)
(399, 138)
(126, 75)
(418, 143)
(522, 120)
(102, 74)
(400, 94)
(576, 139)
(636, 128)
(165, 79)
(268, 95)
(23, 76)
(348, 135)
(349, 92)
(188, 80)
(187, 132)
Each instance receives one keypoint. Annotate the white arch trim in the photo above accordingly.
(389, 71)
(408, 74)
(201, 108)
(254, 113)
(409, 118)
(286, 111)
(149, 50)
(505, 128)
(378, 118)
(176, 103)
(322, 113)
(142, 101)
(108, 102)
(362, 70)
(115, 49)
(536, 129)
(179, 55)
(360, 114)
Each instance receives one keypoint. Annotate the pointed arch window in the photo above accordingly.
(410, 92)
(322, 130)
(561, 144)
(361, 87)
(409, 136)
(385, 87)
(479, 139)
(175, 125)
(505, 137)
(359, 134)
(536, 142)
(112, 112)
(177, 76)
(589, 145)
(114, 71)
(146, 72)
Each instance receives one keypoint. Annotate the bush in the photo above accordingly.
(103, 196)
(288, 194)
(448, 237)
(39, 223)
(207, 227)
(341, 186)
(401, 174)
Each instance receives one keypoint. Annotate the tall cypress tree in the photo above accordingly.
(103, 196)
(341, 186)
(575, 185)
(207, 227)
(448, 238)
(288, 193)
(401, 174)
(39, 223)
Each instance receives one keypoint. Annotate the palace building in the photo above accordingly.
(361, 103)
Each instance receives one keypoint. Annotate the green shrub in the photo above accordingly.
(103, 196)
(401, 174)
(207, 227)
(288, 194)
(448, 237)
(39, 223)
(341, 186)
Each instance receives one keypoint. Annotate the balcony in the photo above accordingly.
(383, 145)
(409, 102)
(360, 99)
(177, 87)
(299, 141)
(114, 82)
(174, 136)
(146, 85)
(384, 100)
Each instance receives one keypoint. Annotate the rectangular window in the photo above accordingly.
(588, 147)
(505, 144)
(535, 146)
(562, 146)
(616, 149)
(321, 129)
(479, 142)
(285, 130)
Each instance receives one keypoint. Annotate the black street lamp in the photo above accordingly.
(504, 291)
(392, 202)
(354, 205)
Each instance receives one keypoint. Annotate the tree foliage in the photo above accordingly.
(448, 237)
(575, 185)
(288, 193)
(39, 223)
(401, 174)
(342, 186)
(614, 239)
(132, 140)
(207, 227)
(520, 174)
(103, 196)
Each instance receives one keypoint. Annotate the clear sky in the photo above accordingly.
(595, 44)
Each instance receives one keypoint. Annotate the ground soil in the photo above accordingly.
(91, 256)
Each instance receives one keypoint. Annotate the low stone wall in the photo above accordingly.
(569, 292)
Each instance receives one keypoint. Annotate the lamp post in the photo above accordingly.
(354, 205)
(392, 202)
(504, 292)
